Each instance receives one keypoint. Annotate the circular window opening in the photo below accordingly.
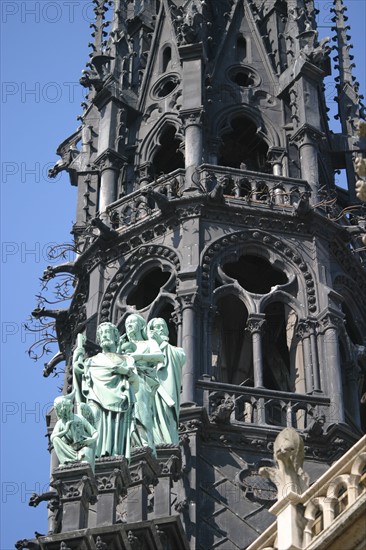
(165, 87)
(244, 77)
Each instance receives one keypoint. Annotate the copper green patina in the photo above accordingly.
(127, 395)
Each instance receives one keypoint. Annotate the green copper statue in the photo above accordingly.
(73, 437)
(169, 373)
(146, 355)
(108, 383)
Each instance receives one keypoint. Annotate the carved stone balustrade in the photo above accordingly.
(328, 515)
(254, 186)
(76, 487)
(142, 203)
(261, 406)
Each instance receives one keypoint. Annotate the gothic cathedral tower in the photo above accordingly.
(205, 167)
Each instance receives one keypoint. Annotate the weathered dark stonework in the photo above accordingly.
(206, 196)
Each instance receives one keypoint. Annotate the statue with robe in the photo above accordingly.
(146, 354)
(108, 383)
(169, 373)
(73, 437)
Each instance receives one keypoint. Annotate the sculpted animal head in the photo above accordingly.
(289, 448)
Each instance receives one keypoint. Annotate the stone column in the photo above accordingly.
(289, 522)
(76, 487)
(192, 57)
(192, 121)
(255, 326)
(189, 344)
(314, 356)
(307, 139)
(275, 157)
(113, 478)
(170, 462)
(329, 326)
(303, 332)
(144, 470)
(110, 164)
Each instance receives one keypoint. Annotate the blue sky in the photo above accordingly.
(44, 47)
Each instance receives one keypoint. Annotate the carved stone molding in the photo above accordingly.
(331, 321)
(191, 117)
(144, 468)
(188, 300)
(112, 474)
(275, 155)
(77, 488)
(307, 135)
(256, 323)
(170, 461)
(305, 327)
(110, 160)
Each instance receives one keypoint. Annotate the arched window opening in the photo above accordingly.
(231, 345)
(241, 48)
(342, 500)
(168, 157)
(318, 523)
(167, 58)
(279, 339)
(148, 288)
(243, 148)
(255, 274)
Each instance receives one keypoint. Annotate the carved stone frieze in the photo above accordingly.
(112, 474)
(75, 481)
(144, 468)
(170, 461)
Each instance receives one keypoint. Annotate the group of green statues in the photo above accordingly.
(127, 396)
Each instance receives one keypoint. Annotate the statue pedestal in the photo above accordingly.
(170, 461)
(113, 478)
(76, 487)
(144, 469)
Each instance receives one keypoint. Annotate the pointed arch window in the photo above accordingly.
(241, 48)
(166, 59)
(242, 147)
(168, 157)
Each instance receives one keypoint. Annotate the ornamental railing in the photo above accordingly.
(250, 187)
(260, 406)
(253, 186)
